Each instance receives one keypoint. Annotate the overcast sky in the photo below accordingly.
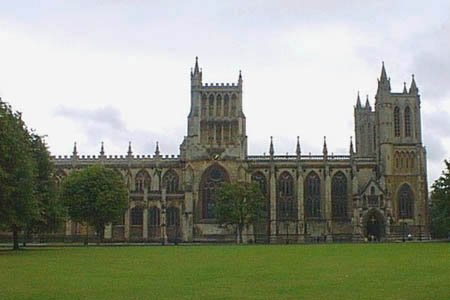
(118, 71)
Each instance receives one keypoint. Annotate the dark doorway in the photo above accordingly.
(374, 226)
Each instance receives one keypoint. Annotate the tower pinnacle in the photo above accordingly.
(413, 89)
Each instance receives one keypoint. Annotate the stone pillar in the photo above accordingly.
(328, 214)
(273, 205)
(300, 206)
(126, 229)
(145, 224)
(108, 231)
(163, 215)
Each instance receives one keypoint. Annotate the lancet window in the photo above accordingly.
(312, 196)
(397, 121)
(286, 200)
(405, 202)
(407, 121)
(339, 195)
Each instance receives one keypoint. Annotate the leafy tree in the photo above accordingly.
(17, 204)
(51, 212)
(238, 205)
(96, 196)
(440, 201)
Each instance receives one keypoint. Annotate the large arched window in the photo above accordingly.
(407, 121)
(211, 105)
(405, 202)
(142, 181)
(212, 179)
(219, 106)
(204, 106)
(233, 105)
(173, 216)
(397, 121)
(153, 216)
(260, 179)
(226, 105)
(312, 196)
(136, 215)
(170, 181)
(286, 201)
(339, 195)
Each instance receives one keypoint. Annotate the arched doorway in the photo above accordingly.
(374, 225)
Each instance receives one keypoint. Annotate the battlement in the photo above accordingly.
(220, 85)
(94, 158)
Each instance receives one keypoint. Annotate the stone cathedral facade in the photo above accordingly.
(377, 191)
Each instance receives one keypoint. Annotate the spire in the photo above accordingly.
(75, 152)
(367, 106)
(383, 76)
(129, 149)
(351, 146)
(405, 91)
(325, 150)
(413, 89)
(157, 149)
(196, 70)
(240, 78)
(271, 151)
(358, 101)
(298, 150)
(384, 82)
(102, 150)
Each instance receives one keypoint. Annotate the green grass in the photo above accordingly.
(350, 271)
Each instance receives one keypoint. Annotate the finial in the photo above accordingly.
(351, 145)
(157, 149)
(298, 150)
(271, 150)
(102, 150)
(129, 149)
(75, 152)
(367, 107)
(413, 89)
(240, 78)
(325, 150)
(405, 91)
(196, 71)
(358, 101)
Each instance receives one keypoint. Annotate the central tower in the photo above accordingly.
(216, 121)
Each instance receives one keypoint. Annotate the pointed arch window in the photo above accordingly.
(154, 216)
(405, 202)
(286, 207)
(204, 105)
(173, 216)
(397, 121)
(233, 105)
(136, 216)
(212, 179)
(407, 121)
(142, 181)
(170, 181)
(211, 105)
(226, 105)
(339, 195)
(219, 105)
(260, 179)
(312, 196)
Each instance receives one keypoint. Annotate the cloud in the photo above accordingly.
(106, 124)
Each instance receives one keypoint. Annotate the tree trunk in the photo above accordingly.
(240, 227)
(15, 231)
(86, 241)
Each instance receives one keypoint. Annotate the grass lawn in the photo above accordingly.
(348, 271)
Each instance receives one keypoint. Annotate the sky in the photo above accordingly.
(119, 70)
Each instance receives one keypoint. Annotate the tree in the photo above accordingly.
(17, 204)
(238, 205)
(440, 204)
(96, 196)
(51, 212)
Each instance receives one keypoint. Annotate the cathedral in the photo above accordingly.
(378, 191)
